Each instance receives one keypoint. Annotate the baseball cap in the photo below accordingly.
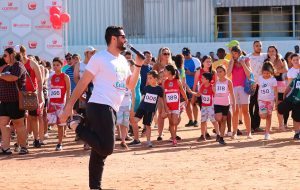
(186, 51)
(89, 48)
(233, 43)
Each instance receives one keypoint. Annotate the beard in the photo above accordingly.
(121, 46)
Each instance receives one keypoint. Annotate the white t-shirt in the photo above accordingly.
(197, 62)
(292, 73)
(266, 88)
(110, 78)
(256, 63)
(82, 67)
(126, 102)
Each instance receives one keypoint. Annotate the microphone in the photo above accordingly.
(138, 53)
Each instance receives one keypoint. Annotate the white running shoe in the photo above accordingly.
(267, 136)
(229, 134)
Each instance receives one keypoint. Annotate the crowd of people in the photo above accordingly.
(230, 90)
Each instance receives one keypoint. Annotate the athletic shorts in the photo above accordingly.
(147, 116)
(280, 96)
(36, 112)
(207, 113)
(265, 107)
(175, 112)
(286, 106)
(241, 97)
(221, 109)
(123, 116)
(11, 110)
(53, 112)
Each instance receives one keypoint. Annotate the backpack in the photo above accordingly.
(249, 85)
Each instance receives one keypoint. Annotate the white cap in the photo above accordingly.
(18, 48)
(89, 48)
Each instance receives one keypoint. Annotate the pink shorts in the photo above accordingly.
(265, 107)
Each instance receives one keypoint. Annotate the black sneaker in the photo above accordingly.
(58, 147)
(239, 132)
(189, 124)
(201, 138)
(36, 143)
(6, 152)
(218, 138)
(23, 151)
(195, 123)
(207, 136)
(135, 142)
(221, 141)
(178, 138)
(159, 138)
(297, 136)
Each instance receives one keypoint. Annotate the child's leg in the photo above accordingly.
(268, 123)
(60, 130)
(135, 128)
(148, 132)
(123, 132)
(216, 126)
(176, 120)
(245, 111)
(203, 128)
(235, 119)
(229, 116)
(223, 125)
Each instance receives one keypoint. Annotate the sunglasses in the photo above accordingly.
(166, 53)
(68, 58)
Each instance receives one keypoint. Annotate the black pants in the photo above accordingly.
(99, 134)
(254, 111)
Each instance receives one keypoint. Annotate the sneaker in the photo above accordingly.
(234, 136)
(124, 145)
(221, 141)
(189, 124)
(297, 136)
(267, 136)
(36, 143)
(17, 147)
(178, 138)
(201, 138)
(207, 136)
(128, 138)
(239, 132)
(249, 136)
(58, 147)
(155, 126)
(257, 130)
(135, 142)
(217, 138)
(174, 142)
(86, 147)
(196, 123)
(229, 134)
(149, 144)
(46, 135)
(159, 138)
(6, 152)
(23, 151)
(241, 122)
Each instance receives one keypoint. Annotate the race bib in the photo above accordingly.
(55, 93)
(221, 88)
(150, 98)
(265, 91)
(298, 84)
(206, 99)
(172, 97)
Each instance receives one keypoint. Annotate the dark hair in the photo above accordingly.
(75, 55)
(2, 62)
(173, 71)
(146, 52)
(256, 41)
(287, 55)
(236, 49)
(294, 55)
(153, 60)
(153, 73)
(57, 59)
(221, 50)
(179, 61)
(68, 55)
(17, 56)
(274, 47)
(127, 53)
(112, 31)
(208, 76)
(204, 59)
(221, 67)
(268, 66)
(48, 64)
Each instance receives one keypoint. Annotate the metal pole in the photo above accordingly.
(230, 24)
(294, 22)
(66, 28)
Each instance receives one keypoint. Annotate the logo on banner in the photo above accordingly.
(3, 26)
(21, 25)
(32, 6)
(50, 3)
(43, 25)
(32, 44)
(9, 44)
(54, 44)
(10, 6)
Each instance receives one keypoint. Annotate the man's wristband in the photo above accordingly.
(137, 65)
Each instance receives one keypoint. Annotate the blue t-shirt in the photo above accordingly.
(70, 73)
(150, 99)
(144, 71)
(191, 65)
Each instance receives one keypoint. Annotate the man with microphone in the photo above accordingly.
(110, 73)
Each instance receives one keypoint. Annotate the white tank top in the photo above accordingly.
(81, 68)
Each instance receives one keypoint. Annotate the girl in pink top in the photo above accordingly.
(239, 69)
(223, 90)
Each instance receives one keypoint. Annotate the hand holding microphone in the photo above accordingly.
(138, 53)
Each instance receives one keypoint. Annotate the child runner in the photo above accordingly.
(59, 94)
(147, 108)
(223, 90)
(173, 88)
(266, 95)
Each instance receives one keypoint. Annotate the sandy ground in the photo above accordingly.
(241, 164)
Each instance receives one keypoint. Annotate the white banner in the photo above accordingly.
(27, 22)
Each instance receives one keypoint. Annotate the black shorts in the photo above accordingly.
(147, 116)
(221, 109)
(189, 95)
(34, 112)
(286, 106)
(11, 110)
(280, 96)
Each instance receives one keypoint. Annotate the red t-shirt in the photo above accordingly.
(207, 95)
(172, 93)
(58, 88)
(30, 71)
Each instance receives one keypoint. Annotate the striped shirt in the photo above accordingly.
(70, 73)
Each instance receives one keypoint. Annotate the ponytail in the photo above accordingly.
(176, 74)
